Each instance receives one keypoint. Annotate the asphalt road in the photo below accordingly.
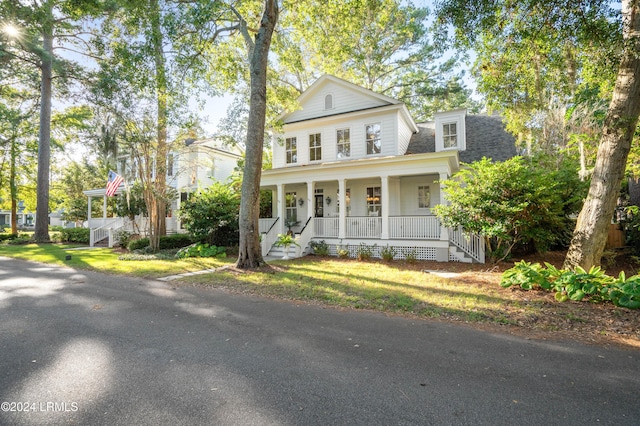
(85, 348)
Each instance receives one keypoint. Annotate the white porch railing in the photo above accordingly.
(268, 236)
(326, 227)
(106, 231)
(414, 227)
(264, 225)
(364, 227)
(472, 244)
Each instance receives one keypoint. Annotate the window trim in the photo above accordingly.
(428, 197)
(293, 150)
(347, 144)
(366, 138)
(316, 147)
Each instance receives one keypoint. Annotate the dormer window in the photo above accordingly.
(450, 130)
(328, 101)
(449, 135)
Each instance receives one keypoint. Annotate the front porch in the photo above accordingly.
(420, 237)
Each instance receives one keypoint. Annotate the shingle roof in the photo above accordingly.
(486, 137)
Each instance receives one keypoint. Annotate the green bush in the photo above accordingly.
(56, 228)
(594, 285)
(5, 237)
(166, 242)
(388, 253)
(364, 251)
(22, 239)
(201, 250)
(138, 244)
(211, 216)
(75, 235)
(320, 248)
(521, 201)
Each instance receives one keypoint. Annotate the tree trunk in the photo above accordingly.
(250, 254)
(13, 188)
(158, 221)
(590, 234)
(44, 149)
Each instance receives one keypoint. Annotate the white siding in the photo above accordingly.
(404, 135)
(344, 100)
(409, 194)
(328, 129)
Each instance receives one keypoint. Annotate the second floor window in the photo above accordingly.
(344, 143)
(291, 146)
(374, 144)
(315, 147)
(449, 135)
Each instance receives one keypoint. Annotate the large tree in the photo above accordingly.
(36, 25)
(562, 44)
(250, 255)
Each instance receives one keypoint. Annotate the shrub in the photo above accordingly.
(138, 244)
(201, 250)
(364, 251)
(594, 285)
(75, 235)
(410, 256)
(166, 242)
(211, 215)
(5, 237)
(22, 239)
(123, 237)
(343, 251)
(320, 248)
(388, 253)
(514, 202)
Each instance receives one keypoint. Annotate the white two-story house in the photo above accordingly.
(190, 167)
(351, 167)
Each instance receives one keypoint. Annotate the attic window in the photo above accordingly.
(328, 101)
(450, 135)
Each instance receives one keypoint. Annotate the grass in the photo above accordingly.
(473, 296)
(106, 260)
(366, 285)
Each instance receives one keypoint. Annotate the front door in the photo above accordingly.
(319, 211)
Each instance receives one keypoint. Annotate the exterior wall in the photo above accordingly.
(344, 100)
(328, 128)
(409, 194)
(404, 134)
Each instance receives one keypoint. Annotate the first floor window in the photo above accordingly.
(374, 143)
(344, 143)
(450, 135)
(424, 197)
(291, 211)
(291, 147)
(315, 147)
(374, 204)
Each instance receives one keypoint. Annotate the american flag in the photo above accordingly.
(113, 182)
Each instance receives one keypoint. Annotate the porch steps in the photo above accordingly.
(278, 252)
(457, 255)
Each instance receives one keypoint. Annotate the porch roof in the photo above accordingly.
(406, 165)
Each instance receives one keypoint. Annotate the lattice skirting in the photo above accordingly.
(401, 252)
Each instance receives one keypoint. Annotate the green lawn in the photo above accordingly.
(106, 260)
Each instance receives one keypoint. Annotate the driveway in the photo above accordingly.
(79, 347)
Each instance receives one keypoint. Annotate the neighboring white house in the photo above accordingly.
(194, 166)
(351, 167)
(25, 219)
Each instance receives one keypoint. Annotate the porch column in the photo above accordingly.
(104, 210)
(89, 213)
(342, 202)
(310, 199)
(280, 208)
(442, 255)
(384, 193)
